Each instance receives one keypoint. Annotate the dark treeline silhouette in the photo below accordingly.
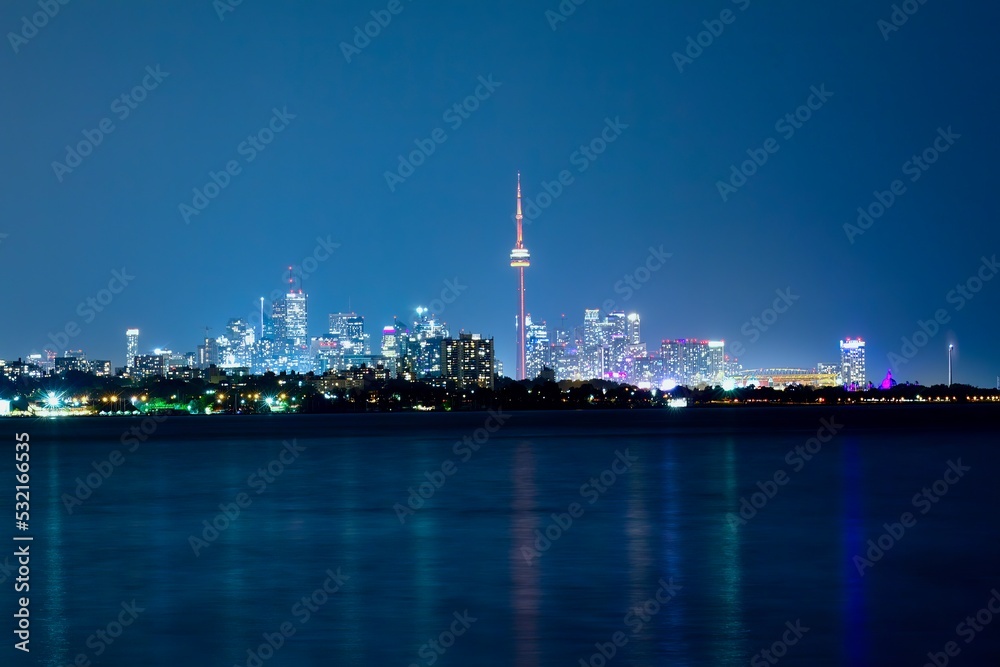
(249, 395)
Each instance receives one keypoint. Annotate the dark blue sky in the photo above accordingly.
(656, 184)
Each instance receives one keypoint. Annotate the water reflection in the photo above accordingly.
(54, 589)
(729, 651)
(852, 527)
(673, 642)
(641, 559)
(524, 574)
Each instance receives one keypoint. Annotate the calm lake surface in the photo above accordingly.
(331, 546)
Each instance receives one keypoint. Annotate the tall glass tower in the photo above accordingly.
(131, 347)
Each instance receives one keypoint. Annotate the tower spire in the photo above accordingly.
(520, 259)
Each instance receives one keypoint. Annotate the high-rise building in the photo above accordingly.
(468, 361)
(236, 346)
(424, 345)
(131, 347)
(592, 353)
(852, 363)
(349, 330)
(614, 340)
(520, 259)
(296, 325)
(633, 329)
(716, 371)
(692, 362)
(149, 365)
(537, 350)
(289, 317)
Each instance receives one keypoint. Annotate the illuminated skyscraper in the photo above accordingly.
(716, 371)
(520, 259)
(633, 329)
(290, 317)
(424, 344)
(591, 352)
(852, 363)
(131, 347)
(537, 348)
(614, 340)
(236, 345)
(468, 361)
(692, 362)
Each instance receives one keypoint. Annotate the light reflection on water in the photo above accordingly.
(663, 519)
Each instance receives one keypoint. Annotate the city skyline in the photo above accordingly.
(604, 345)
(619, 161)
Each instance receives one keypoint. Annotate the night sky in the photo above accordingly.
(324, 174)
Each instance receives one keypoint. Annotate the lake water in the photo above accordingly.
(544, 538)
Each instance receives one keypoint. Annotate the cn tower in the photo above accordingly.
(520, 259)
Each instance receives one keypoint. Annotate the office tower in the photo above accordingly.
(348, 329)
(236, 345)
(614, 340)
(633, 329)
(424, 344)
(468, 361)
(592, 353)
(296, 318)
(520, 259)
(716, 368)
(852, 363)
(208, 352)
(338, 323)
(389, 348)
(536, 348)
(131, 347)
(291, 340)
